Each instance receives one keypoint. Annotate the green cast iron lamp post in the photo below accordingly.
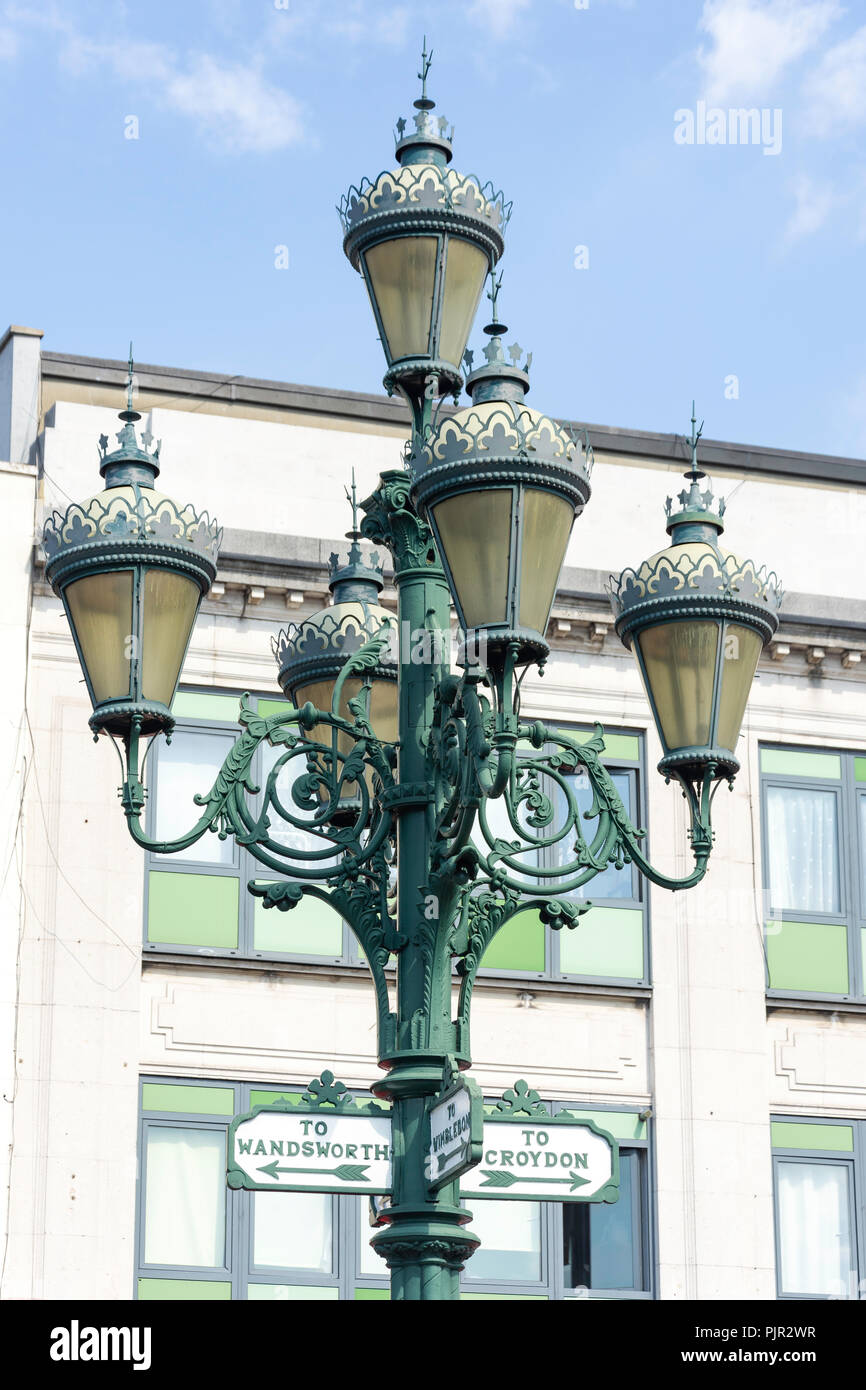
(481, 515)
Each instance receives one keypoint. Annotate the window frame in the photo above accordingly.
(348, 1225)
(855, 1161)
(243, 868)
(639, 901)
(851, 867)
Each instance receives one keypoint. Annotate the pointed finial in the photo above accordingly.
(129, 380)
(693, 444)
(351, 498)
(129, 415)
(424, 103)
(495, 328)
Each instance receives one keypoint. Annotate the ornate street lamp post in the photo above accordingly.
(481, 515)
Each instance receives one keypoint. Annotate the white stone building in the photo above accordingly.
(719, 1033)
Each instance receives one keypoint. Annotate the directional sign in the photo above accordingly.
(292, 1148)
(555, 1159)
(456, 1120)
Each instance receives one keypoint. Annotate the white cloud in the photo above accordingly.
(359, 22)
(8, 44)
(754, 41)
(497, 16)
(231, 104)
(235, 105)
(813, 204)
(836, 90)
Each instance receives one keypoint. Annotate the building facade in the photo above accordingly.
(720, 1034)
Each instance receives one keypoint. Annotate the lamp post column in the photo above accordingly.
(424, 1242)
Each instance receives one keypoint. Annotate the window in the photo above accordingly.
(611, 945)
(198, 1239)
(819, 1175)
(814, 851)
(197, 900)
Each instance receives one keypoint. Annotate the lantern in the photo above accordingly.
(131, 567)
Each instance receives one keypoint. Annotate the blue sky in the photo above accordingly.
(706, 261)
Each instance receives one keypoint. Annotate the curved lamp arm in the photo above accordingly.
(531, 810)
(328, 770)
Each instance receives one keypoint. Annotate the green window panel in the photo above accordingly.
(192, 910)
(493, 1297)
(787, 1134)
(267, 1293)
(203, 1290)
(310, 929)
(519, 945)
(607, 941)
(617, 747)
(189, 704)
(187, 1100)
(622, 1124)
(860, 769)
(365, 1295)
(809, 956)
(271, 1097)
(790, 763)
(268, 707)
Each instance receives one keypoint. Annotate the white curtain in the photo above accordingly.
(187, 766)
(814, 1228)
(612, 883)
(510, 1234)
(803, 850)
(185, 1217)
(292, 1230)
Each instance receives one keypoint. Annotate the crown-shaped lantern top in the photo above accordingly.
(696, 519)
(129, 505)
(423, 180)
(428, 142)
(129, 462)
(317, 647)
(357, 578)
(694, 562)
(500, 379)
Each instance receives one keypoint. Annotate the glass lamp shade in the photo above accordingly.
(502, 523)
(504, 549)
(425, 291)
(131, 570)
(382, 715)
(424, 237)
(696, 619)
(311, 656)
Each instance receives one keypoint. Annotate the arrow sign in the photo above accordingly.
(346, 1172)
(492, 1178)
(308, 1148)
(526, 1149)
